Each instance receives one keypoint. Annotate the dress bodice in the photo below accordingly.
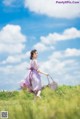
(34, 64)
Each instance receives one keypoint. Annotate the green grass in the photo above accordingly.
(64, 103)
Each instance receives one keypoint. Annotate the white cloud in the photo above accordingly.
(40, 47)
(52, 9)
(11, 59)
(66, 53)
(11, 39)
(8, 2)
(72, 52)
(68, 34)
(11, 75)
(63, 70)
(13, 3)
(18, 69)
(11, 34)
(48, 42)
(11, 48)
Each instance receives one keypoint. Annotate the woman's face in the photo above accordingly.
(35, 55)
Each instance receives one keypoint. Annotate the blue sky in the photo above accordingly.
(55, 33)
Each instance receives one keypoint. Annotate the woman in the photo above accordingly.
(33, 80)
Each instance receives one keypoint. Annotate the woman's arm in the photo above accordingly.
(42, 72)
(39, 70)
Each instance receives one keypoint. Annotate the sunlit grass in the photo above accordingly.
(64, 103)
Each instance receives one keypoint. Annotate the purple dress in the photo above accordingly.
(33, 80)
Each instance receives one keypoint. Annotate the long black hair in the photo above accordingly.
(31, 53)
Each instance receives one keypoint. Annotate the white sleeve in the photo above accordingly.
(35, 64)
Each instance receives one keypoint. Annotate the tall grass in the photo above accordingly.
(64, 103)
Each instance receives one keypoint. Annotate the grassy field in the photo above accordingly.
(64, 103)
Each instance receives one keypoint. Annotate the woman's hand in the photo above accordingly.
(47, 74)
